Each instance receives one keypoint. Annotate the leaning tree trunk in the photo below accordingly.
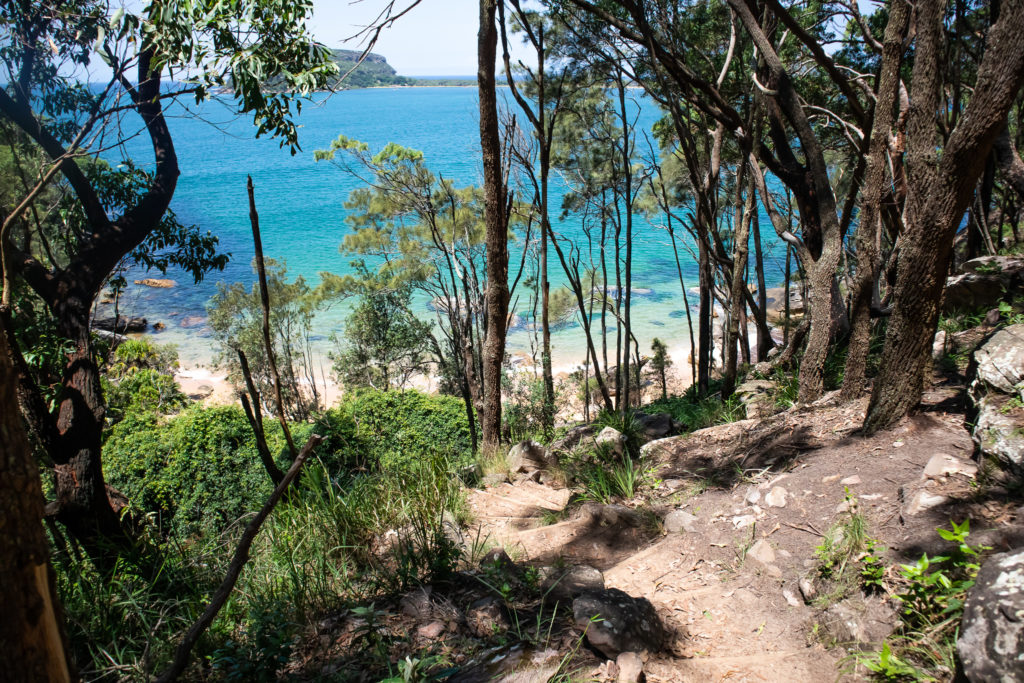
(32, 632)
(869, 228)
(82, 501)
(942, 182)
(496, 233)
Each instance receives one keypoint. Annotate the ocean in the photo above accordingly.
(302, 217)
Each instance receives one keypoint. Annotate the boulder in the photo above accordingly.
(999, 363)
(572, 438)
(658, 425)
(572, 582)
(616, 622)
(121, 324)
(982, 282)
(530, 456)
(861, 622)
(991, 643)
(613, 440)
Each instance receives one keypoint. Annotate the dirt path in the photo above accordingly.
(763, 494)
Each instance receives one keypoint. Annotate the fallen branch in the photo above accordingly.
(184, 650)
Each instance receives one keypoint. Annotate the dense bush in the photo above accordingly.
(391, 429)
(200, 471)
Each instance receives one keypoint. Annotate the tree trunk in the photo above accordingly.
(869, 227)
(941, 185)
(496, 231)
(737, 301)
(32, 630)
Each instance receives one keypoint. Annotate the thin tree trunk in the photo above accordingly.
(496, 231)
(870, 225)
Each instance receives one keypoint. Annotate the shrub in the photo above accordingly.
(697, 413)
(392, 429)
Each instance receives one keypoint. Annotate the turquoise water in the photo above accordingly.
(302, 217)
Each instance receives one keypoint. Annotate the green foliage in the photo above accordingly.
(660, 361)
(236, 317)
(384, 342)
(524, 407)
(932, 594)
(394, 429)
(263, 646)
(198, 472)
(696, 413)
(847, 556)
(139, 380)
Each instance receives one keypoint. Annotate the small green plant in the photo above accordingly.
(887, 665)
(932, 599)
(872, 566)
(846, 545)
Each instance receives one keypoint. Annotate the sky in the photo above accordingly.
(436, 38)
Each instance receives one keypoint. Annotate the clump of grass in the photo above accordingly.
(698, 413)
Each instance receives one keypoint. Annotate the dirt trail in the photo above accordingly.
(763, 493)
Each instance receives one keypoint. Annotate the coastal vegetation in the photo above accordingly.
(408, 529)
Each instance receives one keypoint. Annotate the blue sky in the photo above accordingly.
(436, 38)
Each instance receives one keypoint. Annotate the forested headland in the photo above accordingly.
(819, 477)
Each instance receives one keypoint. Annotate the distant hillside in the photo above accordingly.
(374, 71)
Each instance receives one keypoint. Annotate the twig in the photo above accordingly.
(808, 529)
(184, 650)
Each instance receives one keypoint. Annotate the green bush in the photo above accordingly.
(198, 471)
(392, 429)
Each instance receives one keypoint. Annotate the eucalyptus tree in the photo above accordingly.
(945, 159)
(797, 107)
(163, 52)
(540, 97)
(497, 207)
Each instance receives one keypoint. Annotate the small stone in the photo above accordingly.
(923, 501)
(851, 481)
(941, 465)
(843, 507)
(613, 440)
(762, 552)
(486, 617)
(631, 668)
(753, 496)
(860, 622)
(776, 498)
(673, 484)
(431, 631)
(741, 521)
(773, 571)
(417, 604)
(807, 589)
(678, 521)
(790, 598)
(897, 444)
(493, 479)
(829, 479)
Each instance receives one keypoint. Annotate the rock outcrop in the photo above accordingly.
(991, 643)
(983, 282)
(996, 393)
